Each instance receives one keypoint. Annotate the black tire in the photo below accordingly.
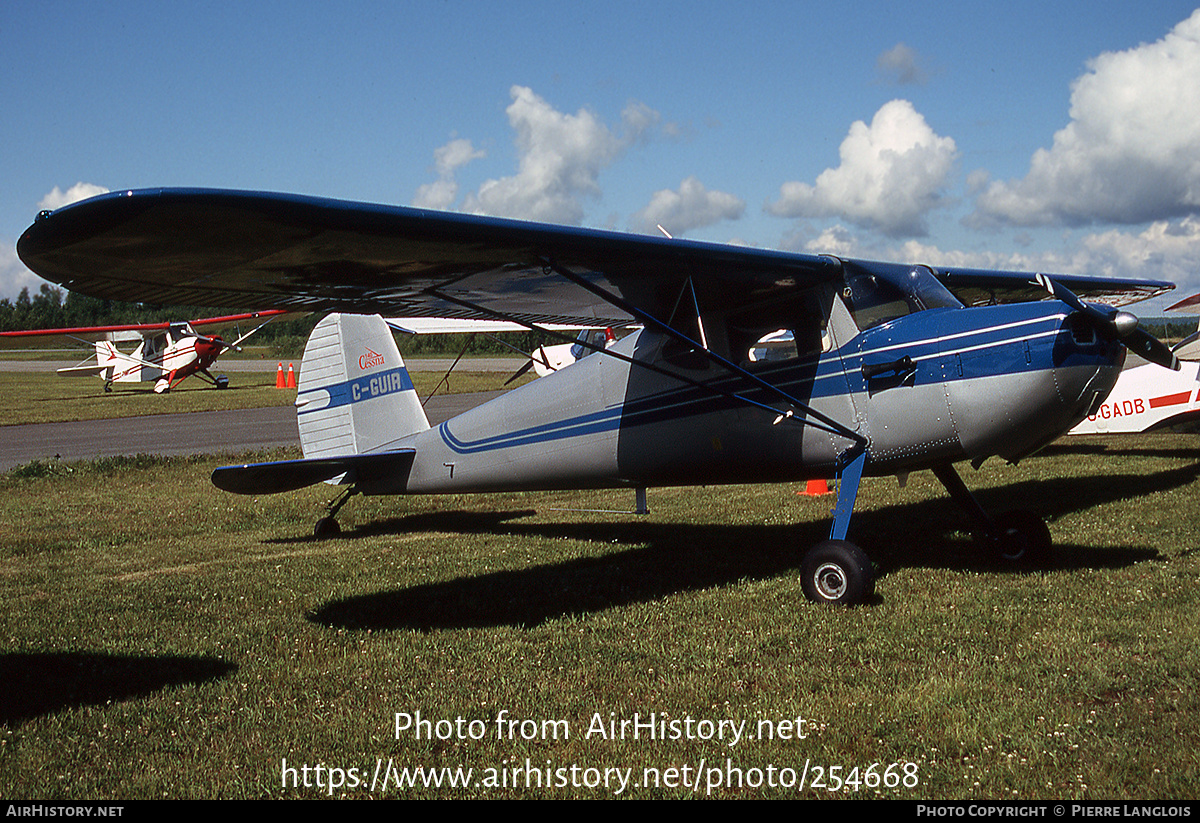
(1022, 539)
(837, 572)
(326, 527)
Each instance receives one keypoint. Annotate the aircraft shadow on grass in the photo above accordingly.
(668, 558)
(33, 684)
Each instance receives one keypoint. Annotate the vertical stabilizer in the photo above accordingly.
(108, 358)
(354, 395)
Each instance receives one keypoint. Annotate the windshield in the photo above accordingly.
(876, 293)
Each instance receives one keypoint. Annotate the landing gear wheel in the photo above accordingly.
(837, 572)
(326, 527)
(1022, 538)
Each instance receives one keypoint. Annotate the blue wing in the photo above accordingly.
(253, 251)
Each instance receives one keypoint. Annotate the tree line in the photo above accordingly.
(50, 308)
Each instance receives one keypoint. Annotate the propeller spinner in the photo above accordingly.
(1119, 324)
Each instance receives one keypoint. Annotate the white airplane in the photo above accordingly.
(543, 359)
(891, 368)
(1146, 397)
(166, 352)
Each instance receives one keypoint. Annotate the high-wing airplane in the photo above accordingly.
(166, 352)
(891, 369)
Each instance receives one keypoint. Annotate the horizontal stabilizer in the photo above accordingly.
(288, 475)
(81, 371)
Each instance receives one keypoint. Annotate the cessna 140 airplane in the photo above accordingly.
(892, 368)
(166, 352)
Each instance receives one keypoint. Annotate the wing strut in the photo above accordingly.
(830, 425)
(821, 422)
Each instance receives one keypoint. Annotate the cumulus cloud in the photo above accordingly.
(57, 198)
(447, 160)
(902, 66)
(893, 173)
(14, 276)
(1164, 250)
(1169, 250)
(690, 207)
(561, 157)
(1131, 152)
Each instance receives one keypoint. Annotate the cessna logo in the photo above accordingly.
(370, 360)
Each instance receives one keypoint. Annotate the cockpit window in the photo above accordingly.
(874, 298)
(597, 339)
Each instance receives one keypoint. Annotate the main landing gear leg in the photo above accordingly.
(838, 571)
(328, 526)
(1019, 537)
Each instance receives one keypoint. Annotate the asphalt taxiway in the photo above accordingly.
(217, 432)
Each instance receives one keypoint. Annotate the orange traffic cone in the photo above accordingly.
(815, 488)
(279, 377)
(291, 377)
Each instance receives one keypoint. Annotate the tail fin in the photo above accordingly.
(354, 395)
(108, 359)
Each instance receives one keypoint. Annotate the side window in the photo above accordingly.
(785, 330)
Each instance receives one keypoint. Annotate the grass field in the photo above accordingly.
(162, 639)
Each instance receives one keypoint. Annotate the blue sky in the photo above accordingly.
(1048, 136)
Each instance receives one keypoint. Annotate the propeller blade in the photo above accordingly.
(1148, 347)
(1119, 324)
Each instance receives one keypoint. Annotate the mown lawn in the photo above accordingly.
(163, 639)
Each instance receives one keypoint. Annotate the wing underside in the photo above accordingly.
(260, 251)
(256, 251)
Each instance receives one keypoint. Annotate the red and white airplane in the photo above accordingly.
(166, 353)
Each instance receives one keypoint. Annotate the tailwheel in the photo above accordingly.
(326, 527)
(1021, 538)
(837, 572)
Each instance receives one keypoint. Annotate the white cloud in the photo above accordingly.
(57, 198)
(892, 175)
(13, 274)
(447, 159)
(1131, 152)
(1165, 250)
(902, 65)
(691, 207)
(560, 160)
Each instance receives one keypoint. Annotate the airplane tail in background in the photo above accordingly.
(109, 364)
(354, 394)
(108, 358)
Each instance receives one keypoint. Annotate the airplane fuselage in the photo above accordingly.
(929, 388)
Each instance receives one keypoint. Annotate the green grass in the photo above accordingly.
(48, 398)
(163, 639)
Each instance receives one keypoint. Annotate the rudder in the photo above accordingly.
(354, 394)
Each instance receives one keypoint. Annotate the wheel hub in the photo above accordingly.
(830, 581)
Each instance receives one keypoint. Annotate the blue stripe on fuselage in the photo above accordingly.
(358, 389)
(1019, 323)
